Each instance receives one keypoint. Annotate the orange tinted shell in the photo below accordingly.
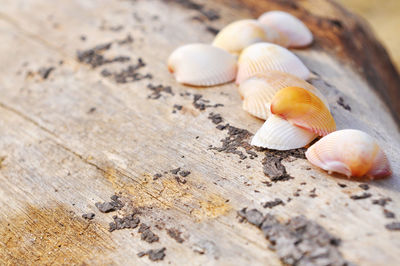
(304, 109)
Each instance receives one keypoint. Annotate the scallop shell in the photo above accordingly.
(202, 65)
(303, 109)
(264, 57)
(295, 30)
(257, 92)
(350, 152)
(278, 134)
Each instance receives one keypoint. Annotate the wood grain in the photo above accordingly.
(77, 137)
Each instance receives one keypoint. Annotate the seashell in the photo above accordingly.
(257, 95)
(202, 65)
(240, 34)
(274, 36)
(295, 30)
(303, 109)
(350, 152)
(278, 134)
(257, 92)
(264, 57)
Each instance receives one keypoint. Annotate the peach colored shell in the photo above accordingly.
(350, 152)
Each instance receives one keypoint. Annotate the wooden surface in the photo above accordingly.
(78, 137)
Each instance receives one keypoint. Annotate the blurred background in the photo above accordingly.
(384, 17)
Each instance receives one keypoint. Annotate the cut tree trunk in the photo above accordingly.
(88, 110)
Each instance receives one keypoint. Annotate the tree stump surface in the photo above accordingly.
(88, 110)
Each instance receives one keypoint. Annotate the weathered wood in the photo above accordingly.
(75, 135)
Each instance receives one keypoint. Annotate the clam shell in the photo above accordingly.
(258, 91)
(295, 30)
(264, 57)
(240, 34)
(274, 36)
(380, 167)
(202, 65)
(278, 134)
(303, 109)
(349, 152)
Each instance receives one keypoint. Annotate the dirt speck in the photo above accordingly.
(113, 205)
(175, 234)
(236, 140)
(212, 30)
(272, 163)
(388, 214)
(154, 254)
(345, 106)
(158, 90)
(267, 183)
(91, 110)
(252, 216)
(364, 195)
(381, 202)
(146, 234)
(298, 241)
(364, 186)
(202, 104)
(157, 176)
(208, 14)
(130, 221)
(312, 193)
(175, 171)
(2, 159)
(44, 72)
(127, 40)
(176, 108)
(184, 173)
(395, 226)
(128, 74)
(273, 203)
(215, 118)
(88, 216)
(95, 58)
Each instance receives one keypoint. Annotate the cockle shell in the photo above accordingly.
(257, 92)
(264, 57)
(304, 109)
(350, 152)
(240, 34)
(295, 30)
(202, 65)
(278, 134)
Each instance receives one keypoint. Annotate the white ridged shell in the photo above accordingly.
(258, 91)
(239, 34)
(264, 57)
(202, 65)
(350, 152)
(274, 36)
(278, 134)
(242, 33)
(295, 30)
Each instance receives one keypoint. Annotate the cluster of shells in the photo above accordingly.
(272, 83)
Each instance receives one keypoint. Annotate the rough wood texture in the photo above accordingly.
(76, 130)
